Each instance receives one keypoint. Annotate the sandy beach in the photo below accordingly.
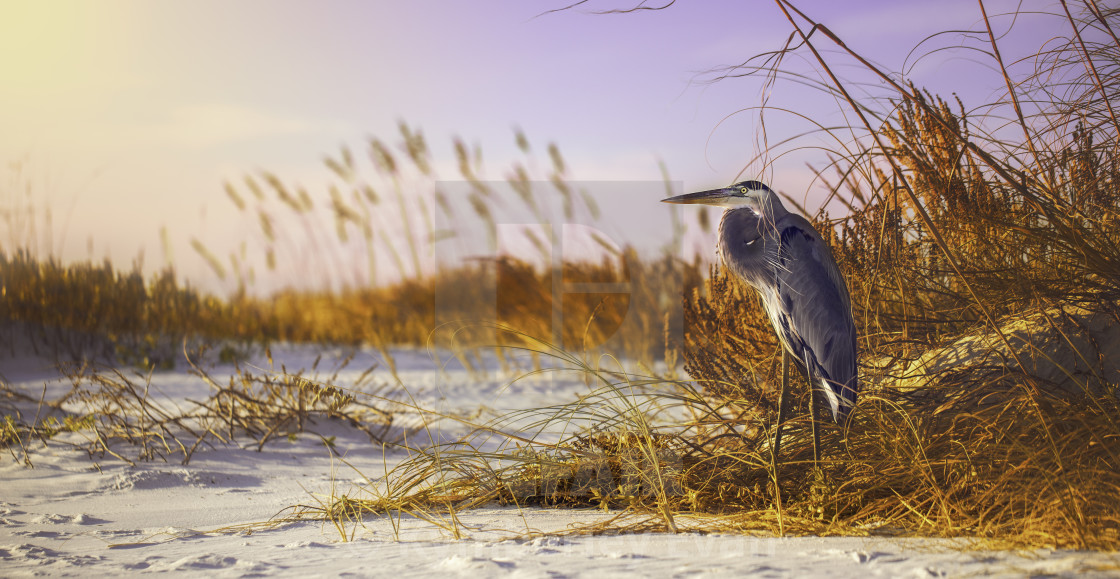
(72, 514)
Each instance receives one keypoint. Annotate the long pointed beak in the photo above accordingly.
(713, 197)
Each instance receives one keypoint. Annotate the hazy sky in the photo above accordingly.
(127, 115)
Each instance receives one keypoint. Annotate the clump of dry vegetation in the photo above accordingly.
(951, 234)
(117, 413)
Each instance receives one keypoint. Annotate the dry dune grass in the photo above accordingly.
(954, 234)
(115, 413)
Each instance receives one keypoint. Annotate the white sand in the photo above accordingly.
(76, 515)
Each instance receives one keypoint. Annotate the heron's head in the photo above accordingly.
(749, 194)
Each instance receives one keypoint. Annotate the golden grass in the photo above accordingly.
(92, 311)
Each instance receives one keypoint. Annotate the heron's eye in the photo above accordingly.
(743, 190)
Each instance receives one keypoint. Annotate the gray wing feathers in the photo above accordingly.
(815, 298)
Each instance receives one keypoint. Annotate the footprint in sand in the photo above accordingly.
(80, 519)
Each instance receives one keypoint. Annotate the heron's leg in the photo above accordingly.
(813, 421)
(782, 404)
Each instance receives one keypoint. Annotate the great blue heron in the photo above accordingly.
(783, 257)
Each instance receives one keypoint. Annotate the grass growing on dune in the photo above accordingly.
(110, 412)
(991, 461)
(954, 231)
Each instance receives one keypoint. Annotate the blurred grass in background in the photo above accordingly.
(372, 223)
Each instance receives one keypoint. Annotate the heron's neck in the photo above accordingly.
(770, 208)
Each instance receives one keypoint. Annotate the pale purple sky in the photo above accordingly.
(128, 114)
